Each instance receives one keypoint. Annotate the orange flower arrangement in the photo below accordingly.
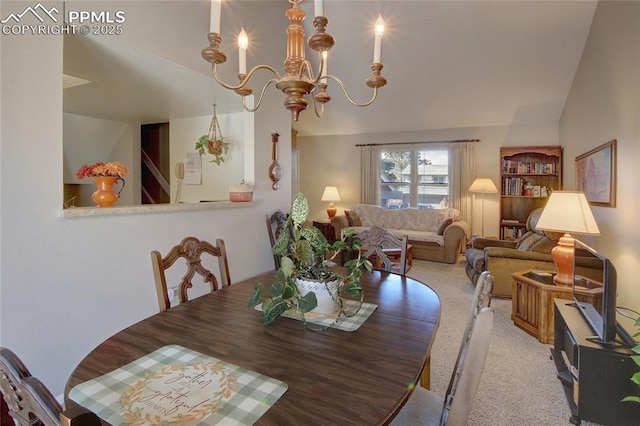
(114, 169)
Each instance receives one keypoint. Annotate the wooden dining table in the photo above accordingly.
(334, 377)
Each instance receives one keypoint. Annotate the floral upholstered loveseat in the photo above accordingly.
(434, 234)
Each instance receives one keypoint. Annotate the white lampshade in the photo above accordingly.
(484, 185)
(330, 194)
(568, 211)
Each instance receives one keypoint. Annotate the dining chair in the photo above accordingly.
(191, 250)
(380, 246)
(426, 407)
(30, 402)
(481, 299)
(275, 227)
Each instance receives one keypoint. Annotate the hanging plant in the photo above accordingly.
(213, 143)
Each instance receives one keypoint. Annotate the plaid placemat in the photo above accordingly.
(175, 385)
(345, 323)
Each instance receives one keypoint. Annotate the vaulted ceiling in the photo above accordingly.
(449, 64)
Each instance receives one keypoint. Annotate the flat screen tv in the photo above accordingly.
(603, 324)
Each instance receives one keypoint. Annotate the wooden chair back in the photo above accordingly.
(275, 227)
(378, 243)
(30, 402)
(190, 249)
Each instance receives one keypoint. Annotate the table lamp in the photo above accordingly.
(484, 186)
(331, 194)
(567, 212)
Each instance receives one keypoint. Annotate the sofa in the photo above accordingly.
(435, 234)
(532, 251)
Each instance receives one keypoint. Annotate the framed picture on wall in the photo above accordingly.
(596, 175)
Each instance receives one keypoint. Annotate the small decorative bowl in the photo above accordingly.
(241, 193)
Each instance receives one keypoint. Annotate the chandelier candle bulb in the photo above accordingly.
(214, 22)
(319, 7)
(377, 47)
(243, 43)
(324, 67)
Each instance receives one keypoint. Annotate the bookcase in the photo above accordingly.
(528, 175)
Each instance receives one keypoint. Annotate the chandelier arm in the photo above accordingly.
(257, 105)
(346, 93)
(246, 79)
(315, 107)
(307, 65)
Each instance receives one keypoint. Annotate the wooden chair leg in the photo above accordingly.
(425, 379)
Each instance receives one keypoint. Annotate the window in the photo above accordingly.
(414, 178)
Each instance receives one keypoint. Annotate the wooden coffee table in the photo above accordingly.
(532, 301)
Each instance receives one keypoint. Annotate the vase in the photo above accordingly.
(105, 195)
(326, 294)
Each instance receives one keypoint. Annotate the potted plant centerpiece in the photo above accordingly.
(305, 281)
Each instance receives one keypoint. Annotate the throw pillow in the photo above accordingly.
(353, 218)
(444, 225)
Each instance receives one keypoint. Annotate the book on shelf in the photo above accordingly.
(519, 167)
(510, 221)
(512, 186)
(512, 233)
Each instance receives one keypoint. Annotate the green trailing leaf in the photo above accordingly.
(276, 308)
(305, 253)
(368, 265)
(299, 209)
(287, 266)
(281, 246)
(276, 289)
(353, 288)
(290, 290)
(202, 144)
(315, 237)
(307, 302)
(256, 296)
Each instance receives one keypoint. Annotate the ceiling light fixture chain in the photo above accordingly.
(299, 80)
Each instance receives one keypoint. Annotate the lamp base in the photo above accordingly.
(331, 210)
(563, 255)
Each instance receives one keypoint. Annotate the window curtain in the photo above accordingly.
(370, 180)
(462, 171)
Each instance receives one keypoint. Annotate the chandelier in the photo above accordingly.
(299, 80)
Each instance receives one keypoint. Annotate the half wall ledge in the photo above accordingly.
(153, 208)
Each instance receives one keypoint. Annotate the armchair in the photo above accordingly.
(533, 251)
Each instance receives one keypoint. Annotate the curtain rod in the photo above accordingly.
(417, 143)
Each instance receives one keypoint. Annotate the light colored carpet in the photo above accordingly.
(519, 384)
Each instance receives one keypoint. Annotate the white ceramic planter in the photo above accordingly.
(327, 301)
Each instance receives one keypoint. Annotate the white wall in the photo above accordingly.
(334, 160)
(603, 105)
(215, 178)
(67, 284)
